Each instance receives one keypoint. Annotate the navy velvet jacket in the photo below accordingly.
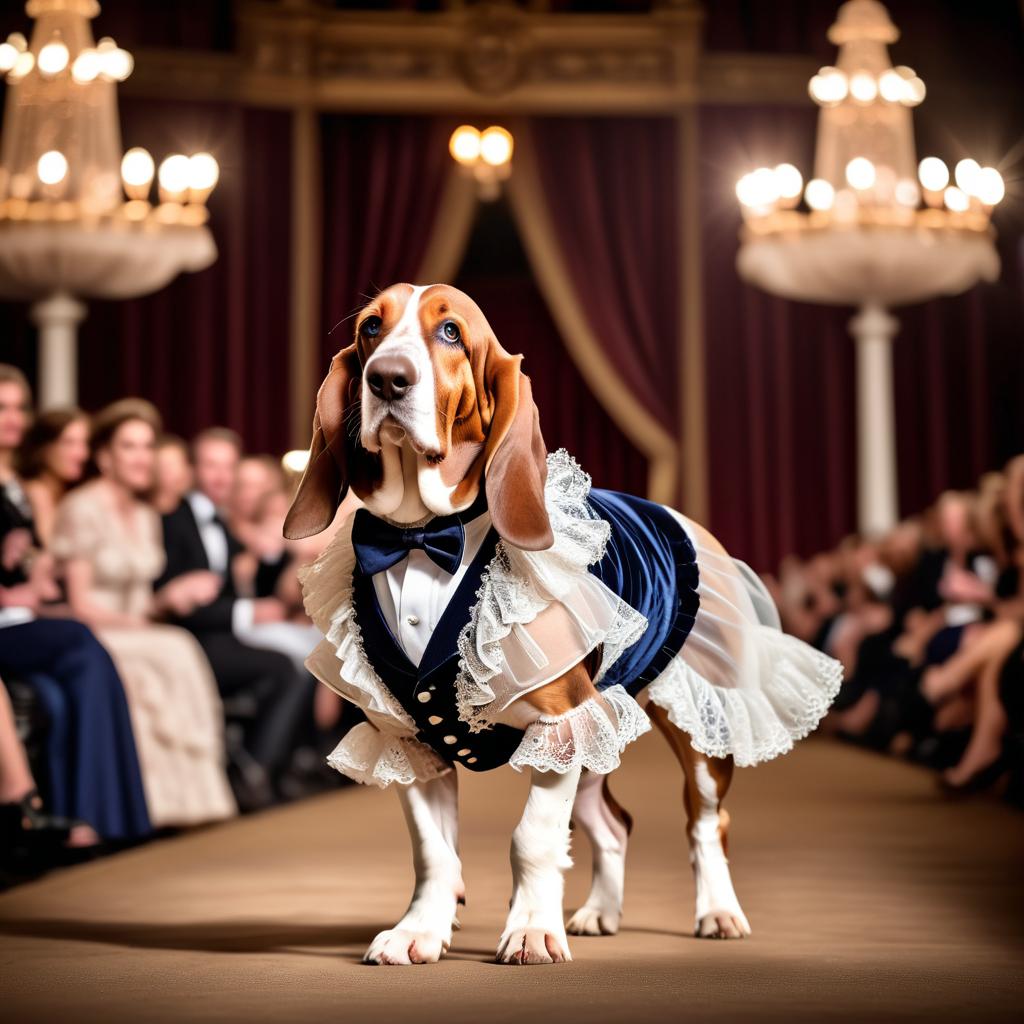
(649, 562)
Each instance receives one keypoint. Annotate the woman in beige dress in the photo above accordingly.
(109, 540)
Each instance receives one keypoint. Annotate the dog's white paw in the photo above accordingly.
(400, 946)
(590, 920)
(723, 924)
(532, 946)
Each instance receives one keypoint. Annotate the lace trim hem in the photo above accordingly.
(752, 725)
(374, 758)
(591, 736)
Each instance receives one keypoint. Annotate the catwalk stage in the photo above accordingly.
(871, 898)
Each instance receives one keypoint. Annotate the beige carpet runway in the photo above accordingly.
(871, 899)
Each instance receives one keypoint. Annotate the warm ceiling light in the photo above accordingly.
(933, 174)
(53, 59)
(296, 460)
(137, 172)
(24, 63)
(956, 199)
(860, 173)
(758, 190)
(906, 193)
(496, 146)
(990, 186)
(174, 175)
(203, 172)
(820, 195)
(789, 181)
(87, 66)
(863, 87)
(966, 175)
(828, 86)
(464, 144)
(51, 167)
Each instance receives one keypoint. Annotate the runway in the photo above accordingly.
(870, 897)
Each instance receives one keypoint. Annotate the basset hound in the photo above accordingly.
(484, 608)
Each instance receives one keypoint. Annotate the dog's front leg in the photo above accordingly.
(425, 931)
(535, 932)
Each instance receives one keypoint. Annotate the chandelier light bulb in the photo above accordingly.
(956, 200)
(53, 59)
(966, 175)
(788, 181)
(820, 195)
(863, 87)
(8, 56)
(860, 173)
(914, 92)
(174, 175)
(137, 170)
(23, 65)
(933, 174)
(892, 86)
(907, 193)
(203, 172)
(115, 63)
(296, 460)
(51, 167)
(990, 186)
(496, 146)
(464, 145)
(828, 87)
(86, 67)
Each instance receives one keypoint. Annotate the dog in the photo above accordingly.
(487, 606)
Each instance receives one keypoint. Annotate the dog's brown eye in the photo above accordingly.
(451, 330)
(371, 326)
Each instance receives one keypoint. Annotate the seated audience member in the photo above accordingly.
(197, 539)
(92, 765)
(53, 458)
(30, 837)
(173, 473)
(109, 542)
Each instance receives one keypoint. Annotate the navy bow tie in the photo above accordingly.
(379, 545)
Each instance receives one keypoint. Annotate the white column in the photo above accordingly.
(57, 318)
(877, 499)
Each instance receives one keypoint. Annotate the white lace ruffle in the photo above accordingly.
(340, 661)
(592, 735)
(501, 657)
(375, 758)
(796, 684)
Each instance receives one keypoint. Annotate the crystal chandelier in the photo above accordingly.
(66, 227)
(879, 230)
(485, 155)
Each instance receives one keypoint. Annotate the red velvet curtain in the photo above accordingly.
(383, 180)
(496, 273)
(611, 185)
(212, 347)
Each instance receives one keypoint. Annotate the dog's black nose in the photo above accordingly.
(390, 376)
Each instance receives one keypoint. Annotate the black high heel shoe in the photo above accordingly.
(27, 818)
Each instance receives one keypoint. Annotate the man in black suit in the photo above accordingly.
(198, 542)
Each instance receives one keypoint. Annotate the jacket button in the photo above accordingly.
(451, 739)
(464, 751)
(413, 620)
(470, 760)
(435, 719)
(423, 697)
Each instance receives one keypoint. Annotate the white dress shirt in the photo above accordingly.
(214, 536)
(414, 592)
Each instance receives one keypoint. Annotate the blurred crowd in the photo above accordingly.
(928, 622)
(152, 635)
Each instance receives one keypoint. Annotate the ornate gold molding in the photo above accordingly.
(489, 56)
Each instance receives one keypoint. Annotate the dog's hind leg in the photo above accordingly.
(718, 912)
(425, 931)
(607, 825)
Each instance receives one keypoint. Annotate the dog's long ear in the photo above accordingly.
(326, 479)
(515, 467)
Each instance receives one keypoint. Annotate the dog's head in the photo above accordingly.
(426, 373)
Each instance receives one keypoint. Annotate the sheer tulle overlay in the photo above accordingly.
(738, 687)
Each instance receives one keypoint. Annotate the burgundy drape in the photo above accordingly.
(780, 375)
(212, 347)
(611, 186)
(497, 275)
(383, 180)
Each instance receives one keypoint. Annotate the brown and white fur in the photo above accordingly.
(421, 409)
